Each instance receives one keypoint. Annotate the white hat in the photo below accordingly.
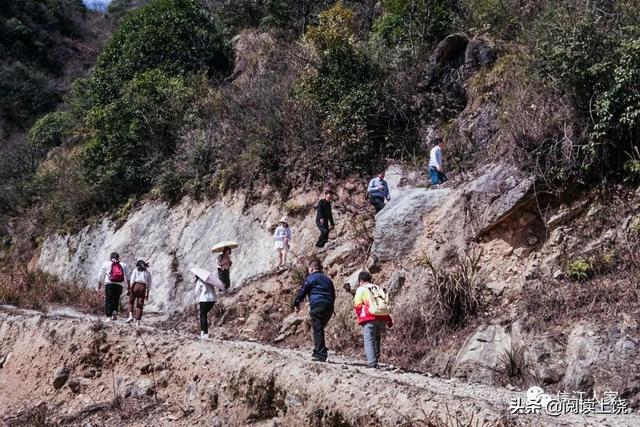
(284, 219)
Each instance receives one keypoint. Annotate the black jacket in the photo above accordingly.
(323, 211)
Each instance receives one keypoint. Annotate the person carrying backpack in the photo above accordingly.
(321, 292)
(371, 305)
(114, 274)
(138, 291)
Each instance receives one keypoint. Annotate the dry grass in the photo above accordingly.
(424, 324)
(456, 287)
(37, 290)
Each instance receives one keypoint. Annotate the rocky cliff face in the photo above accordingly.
(172, 240)
(494, 213)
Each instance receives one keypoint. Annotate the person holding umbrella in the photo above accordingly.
(206, 283)
(224, 260)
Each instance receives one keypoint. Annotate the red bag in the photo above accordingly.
(116, 274)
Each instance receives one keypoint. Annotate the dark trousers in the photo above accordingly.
(324, 235)
(377, 202)
(112, 294)
(320, 315)
(205, 308)
(224, 277)
(136, 299)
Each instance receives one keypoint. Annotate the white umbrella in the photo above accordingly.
(219, 247)
(208, 277)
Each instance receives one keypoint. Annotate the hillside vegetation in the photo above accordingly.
(191, 97)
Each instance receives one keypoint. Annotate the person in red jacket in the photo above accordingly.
(373, 325)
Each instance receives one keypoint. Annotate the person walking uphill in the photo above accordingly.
(324, 217)
(436, 168)
(372, 310)
(224, 267)
(138, 291)
(114, 275)
(319, 288)
(378, 191)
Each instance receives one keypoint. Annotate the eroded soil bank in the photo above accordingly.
(78, 367)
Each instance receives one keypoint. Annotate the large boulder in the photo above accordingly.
(401, 221)
(479, 357)
(478, 54)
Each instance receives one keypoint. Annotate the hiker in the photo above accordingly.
(138, 291)
(319, 287)
(372, 310)
(436, 169)
(378, 191)
(282, 237)
(113, 274)
(324, 217)
(206, 300)
(224, 265)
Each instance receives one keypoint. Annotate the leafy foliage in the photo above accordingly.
(175, 36)
(134, 134)
(343, 87)
(421, 22)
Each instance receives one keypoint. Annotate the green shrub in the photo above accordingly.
(343, 88)
(50, 130)
(26, 93)
(135, 134)
(175, 36)
(587, 53)
(415, 22)
(579, 269)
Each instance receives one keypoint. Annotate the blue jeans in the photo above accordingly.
(436, 176)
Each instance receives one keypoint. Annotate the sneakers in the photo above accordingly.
(203, 336)
(318, 359)
(137, 323)
(130, 319)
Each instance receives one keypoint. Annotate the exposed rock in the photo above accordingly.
(175, 240)
(581, 355)
(451, 49)
(75, 385)
(351, 283)
(289, 326)
(395, 284)
(497, 287)
(478, 54)
(400, 223)
(60, 378)
(478, 358)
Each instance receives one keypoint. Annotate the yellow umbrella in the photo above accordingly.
(219, 247)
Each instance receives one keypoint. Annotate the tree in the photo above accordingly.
(175, 36)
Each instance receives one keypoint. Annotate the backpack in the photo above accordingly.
(378, 301)
(116, 274)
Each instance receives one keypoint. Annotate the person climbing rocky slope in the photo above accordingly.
(515, 335)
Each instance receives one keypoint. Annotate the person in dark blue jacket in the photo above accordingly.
(319, 288)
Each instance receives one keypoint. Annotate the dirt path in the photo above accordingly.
(225, 382)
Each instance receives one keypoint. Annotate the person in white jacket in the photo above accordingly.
(282, 237)
(206, 295)
(138, 290)
(114, 275)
